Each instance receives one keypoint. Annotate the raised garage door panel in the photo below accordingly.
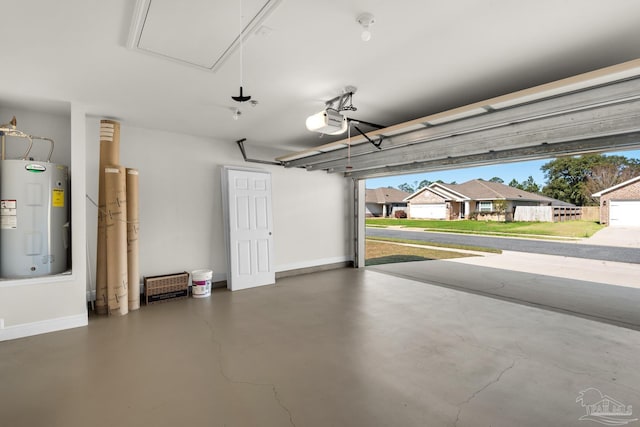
(429, 211)
(624, 213)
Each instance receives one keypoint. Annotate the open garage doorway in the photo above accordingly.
(503, 257)
(555, 199)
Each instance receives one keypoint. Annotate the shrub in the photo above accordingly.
(490, 216)
(500, 206)
(400, 214)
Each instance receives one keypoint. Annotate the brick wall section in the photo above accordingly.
(427, 197)
(628, 192)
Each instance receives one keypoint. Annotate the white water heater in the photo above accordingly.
(34, 216)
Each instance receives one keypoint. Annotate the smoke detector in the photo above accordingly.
(366, 20)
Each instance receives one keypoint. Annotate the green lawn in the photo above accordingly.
(433, 244)
(558, 229)
(379, 252)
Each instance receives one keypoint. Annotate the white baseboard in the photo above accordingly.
(222, 277)
(43, 327)
(217, 277)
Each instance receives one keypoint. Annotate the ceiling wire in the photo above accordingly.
(241, 46)
(348, 167)
(241, 97)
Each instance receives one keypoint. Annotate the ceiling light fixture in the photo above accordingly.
(366, 20)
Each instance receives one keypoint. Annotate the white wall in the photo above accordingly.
(50, 125)
(180, 215)
(313, 214)
(181, 222)
(37, 305)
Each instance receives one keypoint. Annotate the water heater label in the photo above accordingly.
(34, 167)
(57, 199)
(7, 204)
(8, 214)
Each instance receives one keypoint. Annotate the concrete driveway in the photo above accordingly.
(607, 272)
(626, 237)
(569, 284)
(600, 290)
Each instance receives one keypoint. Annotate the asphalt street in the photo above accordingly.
(596, 252)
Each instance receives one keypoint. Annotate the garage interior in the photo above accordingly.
(436, 86)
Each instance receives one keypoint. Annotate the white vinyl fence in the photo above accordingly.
(547, 213)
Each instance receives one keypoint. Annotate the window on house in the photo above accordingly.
(485, 206)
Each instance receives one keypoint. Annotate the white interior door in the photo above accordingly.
(249, 228)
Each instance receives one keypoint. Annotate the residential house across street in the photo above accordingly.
(384, 202)
(461, 201)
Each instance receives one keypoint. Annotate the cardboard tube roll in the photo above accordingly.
(133, 228)
(109, 154)
(101, 255)
(116, 237)
(109, 142)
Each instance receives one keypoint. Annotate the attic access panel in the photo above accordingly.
(201, 33)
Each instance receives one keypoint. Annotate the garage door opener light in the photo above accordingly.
(331, 121)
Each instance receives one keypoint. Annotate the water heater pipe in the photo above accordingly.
(10, 130)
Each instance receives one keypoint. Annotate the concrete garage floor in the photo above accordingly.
(337, 348)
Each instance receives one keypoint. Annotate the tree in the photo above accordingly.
(567, 177)
(424, 183)
(415, 187)
(406, 187)
(608, 175)
(497, 179)
(530, 185)
(527, 185)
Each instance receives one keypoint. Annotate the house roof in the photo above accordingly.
(615, 187)
(477, 189)
(384, 195)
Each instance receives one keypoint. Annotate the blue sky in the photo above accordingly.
(520, 171)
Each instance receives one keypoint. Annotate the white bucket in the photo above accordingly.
(201, 283)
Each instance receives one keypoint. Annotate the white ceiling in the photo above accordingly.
(424, 57)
